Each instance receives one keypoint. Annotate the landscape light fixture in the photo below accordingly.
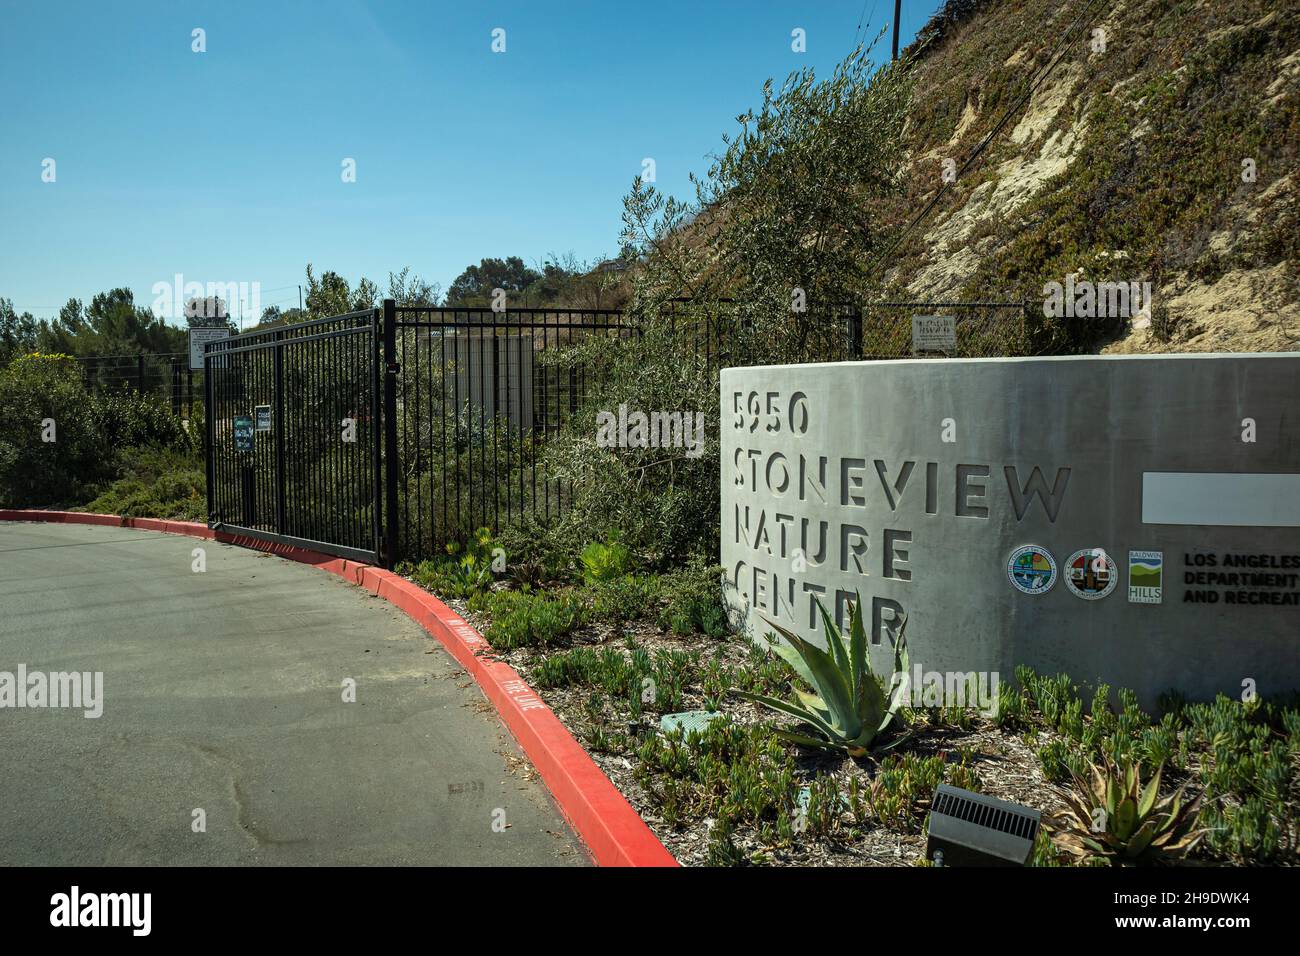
(971, 829)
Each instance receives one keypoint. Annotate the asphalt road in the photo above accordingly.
(223, 692)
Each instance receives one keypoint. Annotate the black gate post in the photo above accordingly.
(248, 490)
(391, 368)
(209, 448)
(277, 425)
(854, 340)
(375, 345)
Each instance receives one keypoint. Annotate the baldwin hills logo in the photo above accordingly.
(1032, 569)
(1090, 574)
(1145, 576)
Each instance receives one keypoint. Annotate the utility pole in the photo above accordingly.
(300, 298)
(898, 9)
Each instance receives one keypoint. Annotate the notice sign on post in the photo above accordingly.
(243, 433)
(263, 415)
(200, 337)
(934, 333)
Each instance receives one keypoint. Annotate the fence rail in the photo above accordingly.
(387, 433)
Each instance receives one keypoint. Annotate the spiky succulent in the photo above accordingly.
(1113, 816)
(847, 708)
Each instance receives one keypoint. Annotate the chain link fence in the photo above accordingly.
(166, 375)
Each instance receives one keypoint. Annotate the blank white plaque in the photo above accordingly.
(1209, 498)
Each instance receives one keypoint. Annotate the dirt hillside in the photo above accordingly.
(1162, 147)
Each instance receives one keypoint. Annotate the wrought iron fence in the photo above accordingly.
(388, 433)
(478, 394)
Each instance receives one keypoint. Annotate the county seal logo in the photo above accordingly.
(1031, 569)
(1090, 574)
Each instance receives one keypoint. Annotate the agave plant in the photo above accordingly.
(847, 708)
(1112, 815)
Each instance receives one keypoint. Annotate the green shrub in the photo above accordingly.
(633, 682)
(662, 502)
(464, 571)
(526, 619)
(729, 770)
(694, 599)
(1246, 831)
(604, 561)
(34, 389)
(622, 599)
(902, 782)
(154, 483)
(1013, 709)
(535, 554)
(1054, 757)
(89, 433)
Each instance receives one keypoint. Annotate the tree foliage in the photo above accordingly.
(785, 207)
(112, 324)
(784, 216)
(57, 439)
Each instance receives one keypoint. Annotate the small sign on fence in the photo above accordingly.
(200, 337)
(243, 433)
(934, 333)
(263, 415)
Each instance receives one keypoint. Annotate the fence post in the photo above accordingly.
(277, 427)
(247, 490)
(139, 374)
(377, 483)
(390, 550)
(853, 341)
(209, 448)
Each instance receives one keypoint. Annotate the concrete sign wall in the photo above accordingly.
(1128, 520)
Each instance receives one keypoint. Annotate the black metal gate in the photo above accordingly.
(294, 434)
(308, 446)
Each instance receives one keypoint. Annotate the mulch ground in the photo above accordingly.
(1007, 766)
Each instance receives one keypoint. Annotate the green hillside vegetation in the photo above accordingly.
(1125, 165)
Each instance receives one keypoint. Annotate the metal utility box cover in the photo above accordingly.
(972, 829)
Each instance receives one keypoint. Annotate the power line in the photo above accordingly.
(858, 32)
(984, 143)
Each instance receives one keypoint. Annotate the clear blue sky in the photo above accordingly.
(225, 165)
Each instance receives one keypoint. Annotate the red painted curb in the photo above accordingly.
(614, 833)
